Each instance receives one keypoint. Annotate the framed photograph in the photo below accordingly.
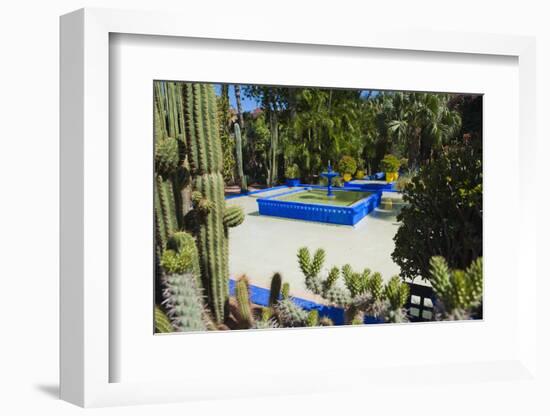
(230, 203)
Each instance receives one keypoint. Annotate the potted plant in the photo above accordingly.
(292, 174)
(390, 166)
(360, 174)
(347, 167)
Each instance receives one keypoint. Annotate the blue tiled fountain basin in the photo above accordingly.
(331, 214)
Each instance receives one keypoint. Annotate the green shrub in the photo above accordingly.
(347, 165)
(336, 181)
(390, 163)
(443, 215)
(292, 171)
(402, 182)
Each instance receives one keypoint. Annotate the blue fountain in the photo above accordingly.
(329, 174)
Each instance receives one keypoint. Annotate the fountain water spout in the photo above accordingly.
(329, 174)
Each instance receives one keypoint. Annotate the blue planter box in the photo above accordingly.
(260, 296)
(331, 214)
(293, 182)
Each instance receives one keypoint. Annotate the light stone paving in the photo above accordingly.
(263, 245)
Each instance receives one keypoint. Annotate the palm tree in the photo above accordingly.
(422, 122)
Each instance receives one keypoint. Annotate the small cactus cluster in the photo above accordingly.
(362, 293)
(243, 315)
(181, 255)
(459, 292)
(290, 314)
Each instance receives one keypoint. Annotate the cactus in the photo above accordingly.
(313, 318)
(162, 322)
(326, 321)
(397, 294)
(332, 277)
(285, 291)
(167, 156)
(364, 293)
(204, 152)
(311, 268)
(337, 296)
(275, 289)
(459, 292)
(183, 302)
(171, 182)
(233, 216)
(242, 293)
(181, 256)
(269, 324)
(290, 314)
(239, 152)
(267, 314)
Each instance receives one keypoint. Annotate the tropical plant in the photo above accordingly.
(442, 215)
(390, 164)
(226, 119)
(292, 171)
(459, 292)
(347, 165)
(422, 122)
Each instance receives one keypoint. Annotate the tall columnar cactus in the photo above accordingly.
(242, 293)
(275, 289)
(239, 152)
(201, 132)
(171, 177)
(184, 302)
(459, 292)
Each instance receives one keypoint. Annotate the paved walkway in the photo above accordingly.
(263, 245)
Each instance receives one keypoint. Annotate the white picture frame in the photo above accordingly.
(85, 352)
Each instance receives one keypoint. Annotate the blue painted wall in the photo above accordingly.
(260, 296)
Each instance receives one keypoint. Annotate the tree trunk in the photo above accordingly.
(273, 151)
(239, 106)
